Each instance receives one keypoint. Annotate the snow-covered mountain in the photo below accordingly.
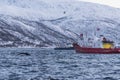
(49, 22)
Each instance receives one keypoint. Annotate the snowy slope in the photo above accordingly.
(49, 22)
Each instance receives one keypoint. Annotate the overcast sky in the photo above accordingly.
(113, 3)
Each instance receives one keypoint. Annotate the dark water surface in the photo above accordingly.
(49, 64)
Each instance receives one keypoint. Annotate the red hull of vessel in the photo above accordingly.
(80, 49)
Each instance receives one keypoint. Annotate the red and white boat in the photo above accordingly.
(90, 50)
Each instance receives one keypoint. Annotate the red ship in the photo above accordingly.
(80, 49)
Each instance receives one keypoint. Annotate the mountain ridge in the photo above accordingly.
(50, 25)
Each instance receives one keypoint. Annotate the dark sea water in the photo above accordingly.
(49, 64)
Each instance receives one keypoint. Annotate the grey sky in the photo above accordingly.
(113, 3)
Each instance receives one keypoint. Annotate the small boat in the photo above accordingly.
(64, 48)
(105, 50)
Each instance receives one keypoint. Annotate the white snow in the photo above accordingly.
(51, 9)
(77, 17)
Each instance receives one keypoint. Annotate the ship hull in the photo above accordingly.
(80, 49)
